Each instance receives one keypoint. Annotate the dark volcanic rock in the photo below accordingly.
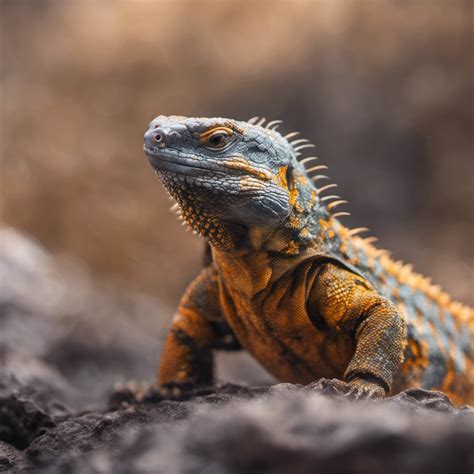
(278, 429)
(59, 412)
(21, 421)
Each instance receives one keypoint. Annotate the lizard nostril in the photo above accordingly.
(158, 138)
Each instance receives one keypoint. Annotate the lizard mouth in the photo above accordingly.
(170, 161)
(174, 163)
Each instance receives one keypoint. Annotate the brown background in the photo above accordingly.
(384, 89)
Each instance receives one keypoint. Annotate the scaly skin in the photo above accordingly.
(306, 296)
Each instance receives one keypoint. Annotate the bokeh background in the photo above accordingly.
(92, 263)
(383, 88)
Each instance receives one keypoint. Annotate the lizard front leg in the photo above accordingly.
(197, 328)
(347, 302)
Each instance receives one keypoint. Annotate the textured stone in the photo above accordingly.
(60, 412)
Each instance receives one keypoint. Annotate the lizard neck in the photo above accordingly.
(308, 225)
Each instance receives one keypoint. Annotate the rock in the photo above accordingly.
(277, 430)
(67, 335)
(21, 421)
(60, 413)
(11, 459)
(241, 429)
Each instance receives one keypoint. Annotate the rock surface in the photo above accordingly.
(61, 357)
(236, 429)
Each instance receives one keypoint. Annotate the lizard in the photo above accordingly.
(310, 299)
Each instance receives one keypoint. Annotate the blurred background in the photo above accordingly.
(383, 88)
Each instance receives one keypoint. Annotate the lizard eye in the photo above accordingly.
(218, 139)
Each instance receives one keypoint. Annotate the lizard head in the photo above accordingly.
(233, 181)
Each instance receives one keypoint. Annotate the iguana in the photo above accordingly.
(307, 297)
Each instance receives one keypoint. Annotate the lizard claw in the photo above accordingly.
(367, 390)
(356, 389)
(181, 391)
(175, 390)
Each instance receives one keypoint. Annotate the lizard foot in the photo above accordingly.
(132, 393)
(128, 393)
(356, 389)
(179, 391)
(174, 390)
